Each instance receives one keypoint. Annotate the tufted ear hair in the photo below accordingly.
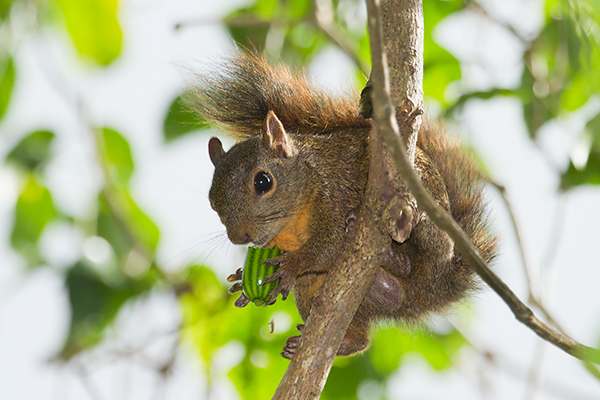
(215, 150)
(275, 137)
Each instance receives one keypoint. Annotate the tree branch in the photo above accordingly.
(444, 221)
(323, 20)
(348, 283)
(403, 32)
(338, 299)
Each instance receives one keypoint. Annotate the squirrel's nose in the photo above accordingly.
(241, 237)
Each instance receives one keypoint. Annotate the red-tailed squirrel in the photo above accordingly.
(300, 169)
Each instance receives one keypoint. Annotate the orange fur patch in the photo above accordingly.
(294, 233)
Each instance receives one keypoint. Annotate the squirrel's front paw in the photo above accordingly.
(286, 275)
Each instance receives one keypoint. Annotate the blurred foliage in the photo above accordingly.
(7, 81)
(180, 120)
(33, 211)
(95, 301)
(32, 151)
(94, 28)
(588, 172)
(118, 157)
(560, 74)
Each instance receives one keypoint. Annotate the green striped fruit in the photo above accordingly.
(255, 273)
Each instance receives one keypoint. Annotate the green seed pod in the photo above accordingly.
(255, 273)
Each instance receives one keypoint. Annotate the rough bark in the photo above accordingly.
(339, 298)
(348, 283)
(403, 35)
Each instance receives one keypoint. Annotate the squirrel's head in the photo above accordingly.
(257, 185)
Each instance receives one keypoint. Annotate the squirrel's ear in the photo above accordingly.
(215, 150)
(274, 137)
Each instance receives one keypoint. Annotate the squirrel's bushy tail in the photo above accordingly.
(464, 182)
(237, 95)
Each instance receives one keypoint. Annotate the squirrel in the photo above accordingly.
(300, 170)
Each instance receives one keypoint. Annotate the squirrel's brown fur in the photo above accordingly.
(321, 173)
(241, 90)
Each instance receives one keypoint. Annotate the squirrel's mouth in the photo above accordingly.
(262, 241)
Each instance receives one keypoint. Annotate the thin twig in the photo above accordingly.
(533, 382)
(110, 190)
(114, 196)
(522, 251)
(533, 298)
(323, 20)
(551, 386)
(554, 241)
(89, 387)
(546, 263)
(474, 5)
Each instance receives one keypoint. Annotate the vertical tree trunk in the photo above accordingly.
(347, 284)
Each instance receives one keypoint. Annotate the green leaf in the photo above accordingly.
(144, 227)
(347, 374)
(5, 6)
(576, 94)
(94, 305)
(437, 77)
(32, 151)
(7, 82)
(536, 110)
(94, 28)
(390, 344)
(181, 120)
(33, 211)
(435, 10)
(118, 156)
(592, 128)
(590, 173)
(439, 66)
(483, 95)
(253, 35)
(211, 321)
(206, 311)
(112, 227)
(298, 8)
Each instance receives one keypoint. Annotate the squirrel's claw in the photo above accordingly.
(235, 277)
(242, 301)
(285, 284)
(279, 260)
(236, 287)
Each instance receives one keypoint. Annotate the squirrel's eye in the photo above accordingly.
(263, 182)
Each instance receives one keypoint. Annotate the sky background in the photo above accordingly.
(171, 184)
